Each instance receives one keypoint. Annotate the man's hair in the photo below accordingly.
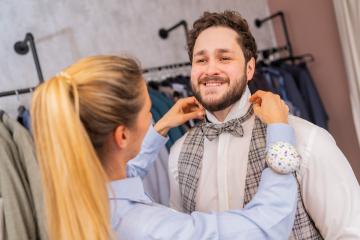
(229, 19)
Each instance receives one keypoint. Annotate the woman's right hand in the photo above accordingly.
(269, 107)
(185, 109)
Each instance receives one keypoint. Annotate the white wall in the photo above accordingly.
(66, 30)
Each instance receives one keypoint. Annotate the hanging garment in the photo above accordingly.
(307, 88)
(280, 82)
(258, 82)
(20, 183)
(160, 106)
(293, 94)
(2, 226)
(24, 117)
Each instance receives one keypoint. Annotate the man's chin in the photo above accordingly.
(214, 106)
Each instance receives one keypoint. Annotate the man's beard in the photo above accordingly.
(229, 98)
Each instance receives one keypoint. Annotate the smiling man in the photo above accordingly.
(216, 166)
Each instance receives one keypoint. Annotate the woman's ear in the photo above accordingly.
(121, 136)
(250, 69)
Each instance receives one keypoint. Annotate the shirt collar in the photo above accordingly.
(238, 109)
(131, 189)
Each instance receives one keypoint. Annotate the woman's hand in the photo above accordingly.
(269, 107)
(184, 110)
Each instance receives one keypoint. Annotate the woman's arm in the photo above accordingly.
(155, 139)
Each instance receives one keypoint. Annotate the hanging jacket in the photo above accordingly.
(20, 183)
(160, 106)
(306, 85)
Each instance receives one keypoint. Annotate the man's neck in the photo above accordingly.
(235, 110)
(222, 114)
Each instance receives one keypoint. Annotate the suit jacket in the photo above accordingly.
(20, 183)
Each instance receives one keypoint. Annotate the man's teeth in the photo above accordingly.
(212, 84)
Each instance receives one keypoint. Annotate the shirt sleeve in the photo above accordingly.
(150, 148)
(330, 190)
(279, 132)
(269, 215)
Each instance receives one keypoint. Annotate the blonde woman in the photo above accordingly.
(91, 119)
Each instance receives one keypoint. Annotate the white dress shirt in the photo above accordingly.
(330, 190)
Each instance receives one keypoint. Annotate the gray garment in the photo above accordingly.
(189, 166)
(192, 151)
(1, 219)
(20, 183)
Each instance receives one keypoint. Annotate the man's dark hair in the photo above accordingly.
(229, 19)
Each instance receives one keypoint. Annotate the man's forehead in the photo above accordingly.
(216, 39)
(217, 51)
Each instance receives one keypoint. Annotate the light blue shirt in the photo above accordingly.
(269, 215)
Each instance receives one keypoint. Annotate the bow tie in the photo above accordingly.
(234, 127)
(212, 130)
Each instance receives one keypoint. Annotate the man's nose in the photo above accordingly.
(212, 69)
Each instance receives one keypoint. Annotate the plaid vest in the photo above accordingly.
(189, 168)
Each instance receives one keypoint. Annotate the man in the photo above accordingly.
(216, 166)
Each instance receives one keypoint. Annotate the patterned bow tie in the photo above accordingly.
(234, 127)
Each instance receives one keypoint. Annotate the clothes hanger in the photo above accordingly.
(304, 58)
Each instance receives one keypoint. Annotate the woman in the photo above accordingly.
(89, 121)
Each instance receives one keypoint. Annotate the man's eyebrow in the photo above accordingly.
(199, 53)
(224, 50)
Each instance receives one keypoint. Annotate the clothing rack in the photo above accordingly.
(22, 48)
(288, 46)
(17, 92)
(266, 53)
(166, 67)
(164, 33)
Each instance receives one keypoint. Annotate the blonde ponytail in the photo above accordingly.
(67, 111)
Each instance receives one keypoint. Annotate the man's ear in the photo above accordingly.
(121, 136)
(250, 69)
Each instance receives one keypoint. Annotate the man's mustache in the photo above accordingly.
(213, 79)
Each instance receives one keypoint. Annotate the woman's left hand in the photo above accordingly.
(269, 107)
(184, 110)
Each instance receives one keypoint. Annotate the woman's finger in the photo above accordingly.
(193, 115)
(257, 111)
(258, 94)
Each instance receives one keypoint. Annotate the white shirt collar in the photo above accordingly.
(238, 109)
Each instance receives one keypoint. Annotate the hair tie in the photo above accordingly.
(72, 84)
(63, 74)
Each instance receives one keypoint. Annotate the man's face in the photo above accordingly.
(218, 75)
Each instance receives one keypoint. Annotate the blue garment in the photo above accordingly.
(26, 120)
(160, 106)
(294, 94)
(283, 84)
(269, 215)
(304, 81)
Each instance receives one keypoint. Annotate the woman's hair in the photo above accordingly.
(73, 113)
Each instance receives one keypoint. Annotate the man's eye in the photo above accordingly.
(201, 60)
(225, 59)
